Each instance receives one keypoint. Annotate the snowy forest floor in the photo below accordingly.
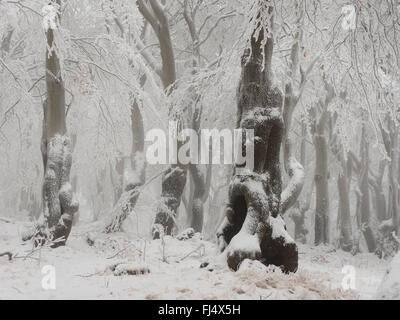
(83, 271)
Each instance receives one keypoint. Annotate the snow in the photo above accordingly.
(84, 272)
(279, 230)
(390, 286)
(244, 242)
(50, 13)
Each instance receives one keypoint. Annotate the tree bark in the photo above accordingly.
(298, 213)
(292, 167)
(174, 178)
(59, 202)
(365, 197)
(346, 240)
(136, 176)
(321, 187)
(253, 227)
(201, 181)
(117, 176)
(321, 176)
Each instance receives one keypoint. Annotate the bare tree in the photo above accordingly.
(59, 202)
(174, 178)
(253, 227)
(126, 193)
(320, 116)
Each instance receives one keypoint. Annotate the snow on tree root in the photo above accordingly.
(243, 246)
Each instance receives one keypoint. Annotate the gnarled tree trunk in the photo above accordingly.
(253, 227)
(174, 178)
(59, 202)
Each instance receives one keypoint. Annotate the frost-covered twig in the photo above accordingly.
(199, 248)
(124, 249)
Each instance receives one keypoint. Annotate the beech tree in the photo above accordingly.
(253, 227)
(59, 202)
(319, 88)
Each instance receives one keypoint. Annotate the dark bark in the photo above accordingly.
(8, 254)
(173, 183)
(253, 227)
(197, 216)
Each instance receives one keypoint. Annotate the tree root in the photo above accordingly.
(9, 254)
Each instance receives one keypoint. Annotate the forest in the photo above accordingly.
(200, 149)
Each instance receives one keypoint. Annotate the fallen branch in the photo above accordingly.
(90, 274)
(9, 254)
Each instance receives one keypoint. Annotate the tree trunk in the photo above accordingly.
(292, 167)
(253, 227)
(365, 198)
(298, 213)
(346, 240)
(200, 193)
(321, 186)
(321, 176)
(117, 177)
(59, 202)
(394, 172)
(99, 199)
(136, 176)
(388, 215)
(174, 178)
(6, 41)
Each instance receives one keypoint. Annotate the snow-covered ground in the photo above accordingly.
(85, 272)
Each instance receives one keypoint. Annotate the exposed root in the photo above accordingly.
(9, 254)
